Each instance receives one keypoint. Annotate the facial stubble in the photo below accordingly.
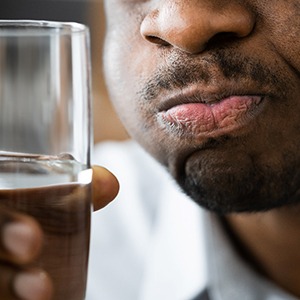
(239, 183)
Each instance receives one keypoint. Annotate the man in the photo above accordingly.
(211, 90)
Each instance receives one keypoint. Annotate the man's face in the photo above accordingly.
(211, 89)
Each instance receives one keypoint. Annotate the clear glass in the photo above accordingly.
(45, 139)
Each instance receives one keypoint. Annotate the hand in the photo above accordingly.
(20, 243)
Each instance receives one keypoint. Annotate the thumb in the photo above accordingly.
(105, 187)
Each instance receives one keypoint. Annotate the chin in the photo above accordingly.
(238, 200)
(239, 187)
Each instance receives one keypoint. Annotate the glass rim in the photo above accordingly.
(24, 27)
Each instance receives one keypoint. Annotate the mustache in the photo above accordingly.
(181, 71)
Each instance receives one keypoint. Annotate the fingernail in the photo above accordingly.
(34, 285)
(18, 239)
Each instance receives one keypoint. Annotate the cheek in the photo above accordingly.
(128, 64)
(289, 46)
(123, 69)
(283, 22)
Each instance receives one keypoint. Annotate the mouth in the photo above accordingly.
(211, 115)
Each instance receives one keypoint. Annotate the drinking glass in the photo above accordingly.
(45, 139)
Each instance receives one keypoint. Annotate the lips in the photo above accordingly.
(211, 119)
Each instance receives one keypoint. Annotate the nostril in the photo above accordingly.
(222, 38)
(156, 40)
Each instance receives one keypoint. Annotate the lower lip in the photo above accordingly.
(199, 119)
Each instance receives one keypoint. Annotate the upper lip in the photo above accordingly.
(198, 95)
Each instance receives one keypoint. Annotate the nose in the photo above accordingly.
(191, 25)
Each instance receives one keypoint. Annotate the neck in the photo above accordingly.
(272, 240)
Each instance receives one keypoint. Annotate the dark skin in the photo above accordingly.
(216, 85)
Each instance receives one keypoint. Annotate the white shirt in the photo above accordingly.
(154, 243)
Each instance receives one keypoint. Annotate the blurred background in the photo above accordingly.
(90, 12)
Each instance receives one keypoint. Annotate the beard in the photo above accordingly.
(241, 184)
(223, 176)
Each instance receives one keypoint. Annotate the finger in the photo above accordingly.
(105, 187)
(20, 237)
(31, 284)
